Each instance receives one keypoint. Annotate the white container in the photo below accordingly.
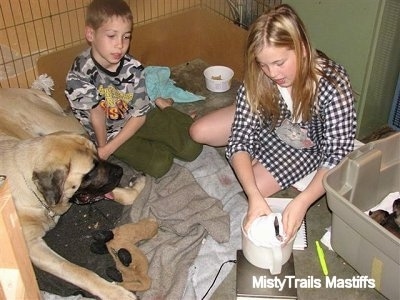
(218, 78)
(272, 256)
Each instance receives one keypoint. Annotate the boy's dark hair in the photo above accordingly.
(100, 11)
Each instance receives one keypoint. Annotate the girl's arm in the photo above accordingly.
(296, 210)
(243, 167)
(339, 134)
(239, 152)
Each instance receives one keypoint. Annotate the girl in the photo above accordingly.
(294, 113)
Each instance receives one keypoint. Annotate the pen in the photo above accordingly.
(321, 257)
(276, 225)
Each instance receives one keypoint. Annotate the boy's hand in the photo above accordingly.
(103, 152)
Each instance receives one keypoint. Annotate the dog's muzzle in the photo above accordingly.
(98, 183)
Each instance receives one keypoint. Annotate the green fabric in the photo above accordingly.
(163, 136)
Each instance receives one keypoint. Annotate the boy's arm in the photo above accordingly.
(130, 128)
(98, 120)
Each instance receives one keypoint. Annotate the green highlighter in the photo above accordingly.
(321, 257)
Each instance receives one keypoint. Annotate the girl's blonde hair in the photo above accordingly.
(280, 27)
(100, 11)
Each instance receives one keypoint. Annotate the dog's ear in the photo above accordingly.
(50, 184)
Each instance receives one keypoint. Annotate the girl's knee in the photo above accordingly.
(196, 132)
(265, 182)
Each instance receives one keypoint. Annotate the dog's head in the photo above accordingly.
(101, 180)
(67, 166)
(381, 216)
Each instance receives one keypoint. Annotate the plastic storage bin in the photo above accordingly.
(360, 182)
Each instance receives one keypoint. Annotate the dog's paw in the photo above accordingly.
(138, 183)
(127, 195)
(136, 177)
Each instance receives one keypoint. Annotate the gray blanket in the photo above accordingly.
(215, 176)
(199, 206)
(186, 215)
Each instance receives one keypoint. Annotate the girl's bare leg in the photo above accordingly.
(266, 183)
(214, 128)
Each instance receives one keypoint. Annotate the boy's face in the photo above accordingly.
(110, 42)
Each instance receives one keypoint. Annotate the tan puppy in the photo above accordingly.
(45, 169)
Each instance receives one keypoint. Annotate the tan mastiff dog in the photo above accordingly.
(48, 161)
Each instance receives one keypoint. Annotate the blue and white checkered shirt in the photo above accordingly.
(330, 132)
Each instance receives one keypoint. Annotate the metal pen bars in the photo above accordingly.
(29, 29)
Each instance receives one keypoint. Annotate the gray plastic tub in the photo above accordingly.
(360, 182)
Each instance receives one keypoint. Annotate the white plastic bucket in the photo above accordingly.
(271, 257)
(218, 78)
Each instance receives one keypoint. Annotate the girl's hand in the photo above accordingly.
(292, 217)
(296, 210)
(257, 207)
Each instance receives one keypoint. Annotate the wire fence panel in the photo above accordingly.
(31, 28)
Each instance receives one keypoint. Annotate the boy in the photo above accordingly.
(106, 90)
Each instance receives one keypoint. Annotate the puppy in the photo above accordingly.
(389, 221)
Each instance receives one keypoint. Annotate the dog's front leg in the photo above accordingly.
(46, 259)
(127, 195)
